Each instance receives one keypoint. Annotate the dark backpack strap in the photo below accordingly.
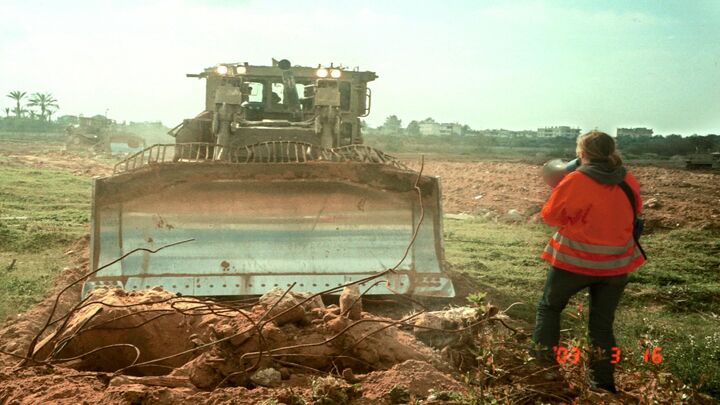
(631, 198)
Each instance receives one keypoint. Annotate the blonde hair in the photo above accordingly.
(600, 147)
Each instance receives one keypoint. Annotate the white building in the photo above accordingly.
(560, 131)
(634, 132)
(429, 128)
(440, 129)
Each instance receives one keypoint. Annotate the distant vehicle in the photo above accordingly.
(703, 161)
(101, 134)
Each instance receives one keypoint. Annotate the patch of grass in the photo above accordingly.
(42, 211)
(29, 279)
(503, 258)
(35, 239)
(697, 360)
(41, 208)
(676, 294)
(683, 273)
(688, 297)
(691, 254)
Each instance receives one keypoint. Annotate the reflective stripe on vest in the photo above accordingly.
(592, 264)
(590, 248)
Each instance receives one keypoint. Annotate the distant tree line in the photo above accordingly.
(398, 139)
(669, 145)
(45, 102)
(31, 112)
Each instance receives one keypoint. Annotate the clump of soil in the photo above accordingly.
(40, 385)
(156, 322)
(417, 378)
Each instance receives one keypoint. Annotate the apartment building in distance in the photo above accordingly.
(559, 131)
(428, 127)
(634, 132)
(505, 133)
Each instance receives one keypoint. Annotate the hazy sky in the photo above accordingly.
(490, 64)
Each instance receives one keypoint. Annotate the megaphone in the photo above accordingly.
(555, 170)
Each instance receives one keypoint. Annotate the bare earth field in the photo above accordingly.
(676, 197)
(78, 165)
(673, 197)
(321, 353)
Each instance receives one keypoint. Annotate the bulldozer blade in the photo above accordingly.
(125, 143)
(264, 225)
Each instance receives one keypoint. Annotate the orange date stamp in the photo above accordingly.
(573, 354)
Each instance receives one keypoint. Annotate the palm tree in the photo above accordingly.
(19, 112)
(7, 112)
(43, 100)
(17, 96)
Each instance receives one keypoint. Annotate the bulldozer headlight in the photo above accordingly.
(222, 70)
(322, 72)
(241, 70)
(335, 73)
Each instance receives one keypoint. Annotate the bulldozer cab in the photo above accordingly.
(272, 96)
(94, 125)
(274, 185)
(707, 160)
(321, 105)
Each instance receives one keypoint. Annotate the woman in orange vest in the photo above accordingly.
(593, 248)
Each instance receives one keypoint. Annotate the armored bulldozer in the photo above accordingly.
(100, 134)
(274, 185)
(703, 161)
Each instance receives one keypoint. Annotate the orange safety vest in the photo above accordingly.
(596, 224)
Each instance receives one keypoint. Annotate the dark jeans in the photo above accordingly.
(605, 293)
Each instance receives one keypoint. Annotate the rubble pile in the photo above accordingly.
(132, 330)
(158, 339)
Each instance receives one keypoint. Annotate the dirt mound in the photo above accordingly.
(156, 322)
(419, 379)
(239, 354)
(39, 385)
(66, 386)
(683, 198)
(180, 345)
(155, 332)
